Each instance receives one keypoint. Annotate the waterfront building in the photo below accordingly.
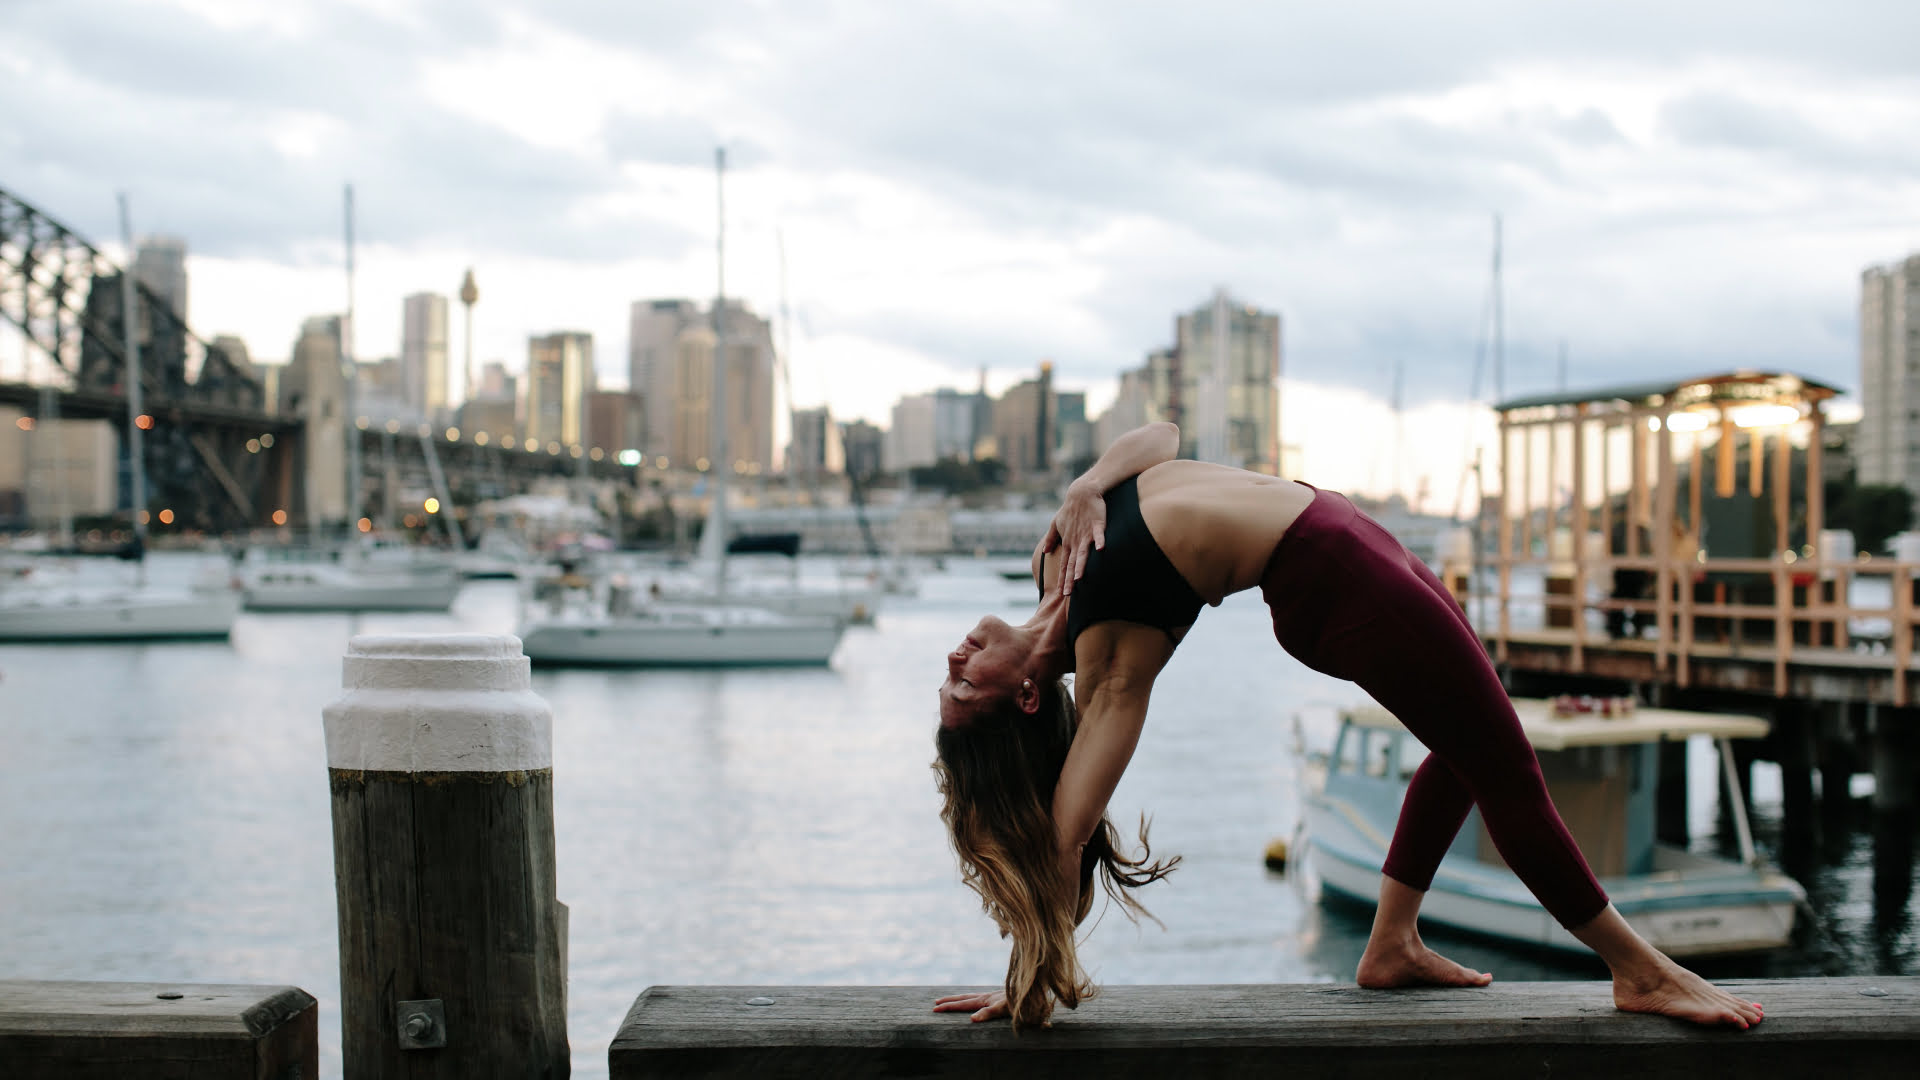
(909, 440)
(496, 384)
(1222, 384)
(1887, 448)
(816, 449)
(670, 358)
(160, 263)
(423, 355)
(559, 378)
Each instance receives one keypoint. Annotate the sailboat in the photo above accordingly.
(35, 606)
(578, 619)
(365, 573)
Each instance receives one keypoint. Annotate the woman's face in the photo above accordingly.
(986, 668)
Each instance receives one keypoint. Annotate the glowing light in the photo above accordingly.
(144, 517)
(431, 506)
(1687, 421)
(143, 422)
(166, 517)
(532, 444)
(410, 521)
(361, 423)
(393, 427)
(553, 448)
(1653, 423)
(25, 423)
(701, 464)
(453, 434)
(279, 517)
(660, 462)
(365, 525)
(267, 440)
(253, 446)
(479, 438)
(574, 450)
(597, 454)
(1752, 416)
(630, 457)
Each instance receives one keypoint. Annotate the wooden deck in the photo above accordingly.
(135, 1031)
(1814, 1027)
(1808, 672)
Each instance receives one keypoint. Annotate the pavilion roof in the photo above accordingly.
(1769, 384)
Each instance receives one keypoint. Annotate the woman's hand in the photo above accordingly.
(991, 1006)
(1078, 528)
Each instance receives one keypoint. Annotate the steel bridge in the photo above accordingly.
(216, 452)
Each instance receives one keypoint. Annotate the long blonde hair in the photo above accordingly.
(997, 774)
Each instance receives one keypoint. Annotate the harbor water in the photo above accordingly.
(166, 818)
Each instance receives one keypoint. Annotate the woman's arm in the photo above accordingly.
(1114, 673)
(1081, 522)
(1130, 455)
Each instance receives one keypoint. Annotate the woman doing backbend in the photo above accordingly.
(1141, 544)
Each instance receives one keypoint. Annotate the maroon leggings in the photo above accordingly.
(1350, 601)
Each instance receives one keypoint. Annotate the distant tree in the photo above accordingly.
(1873, 512)
(956, 477)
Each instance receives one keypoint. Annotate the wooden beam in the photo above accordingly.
(100, 1030)
(1506, 543)
(1526, 493)
(1663, 546)
(1606, 483)
(1864, 1028)
(1579, 537)
(1637, 482)
(1757, 461)
(1816, 484)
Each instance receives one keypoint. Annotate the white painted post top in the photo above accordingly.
(438, 703)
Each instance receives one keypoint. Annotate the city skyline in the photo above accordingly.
(1682, 190)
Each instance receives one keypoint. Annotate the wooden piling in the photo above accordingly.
(452, 942)
(1859, 1028)
(1894, 816)
(162, 1031)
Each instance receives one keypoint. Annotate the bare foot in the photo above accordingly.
(1385, 967)
(1672, 990)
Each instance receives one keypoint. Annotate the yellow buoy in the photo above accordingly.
(1277, 855)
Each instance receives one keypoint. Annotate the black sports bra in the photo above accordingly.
(1131, 579)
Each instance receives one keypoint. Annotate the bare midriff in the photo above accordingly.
(1218, 525)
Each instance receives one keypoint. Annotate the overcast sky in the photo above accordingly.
(1685, 186)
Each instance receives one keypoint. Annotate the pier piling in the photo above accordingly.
(452, 942)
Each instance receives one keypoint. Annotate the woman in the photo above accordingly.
(1141, 544)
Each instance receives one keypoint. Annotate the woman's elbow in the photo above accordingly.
(1166, 437)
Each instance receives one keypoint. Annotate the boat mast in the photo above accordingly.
(717, 408)
(351, 371)
(1499, 323)
(136, 446)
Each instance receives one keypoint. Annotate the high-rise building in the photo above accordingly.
(423, 354)
(496, 384)
(910, 437)
(160, 263)
(313, 387)
(670, 363)
(816, 449)
(614, 421)
(865, 445)
(1132, 407)
(559, 378)
(956, 423)
(1887, 447)
(1225, 392)
(1023, 425)
(1073, 435)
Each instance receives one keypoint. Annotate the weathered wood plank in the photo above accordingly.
(127, 1031)
(1813, 1027)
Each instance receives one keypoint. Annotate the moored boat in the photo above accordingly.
(1601, 772)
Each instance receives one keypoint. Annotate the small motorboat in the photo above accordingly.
(1601, 768)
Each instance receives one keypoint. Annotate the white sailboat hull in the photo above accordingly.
(131, 614)
(1675, 924)
(366, 595)
(716, 639)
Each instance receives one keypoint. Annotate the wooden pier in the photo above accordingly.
(156, 1031)
(1863, 1028)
